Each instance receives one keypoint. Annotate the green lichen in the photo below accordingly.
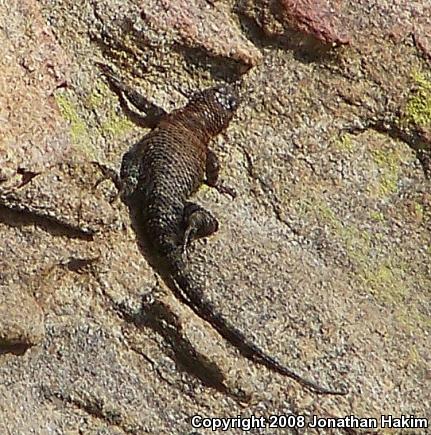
(386, 281)
(377, 216)
(94, 100)
(358, 245)
(325, 212)
(78, 128)
(419, 210)
(344, 143)
(388, 162)
(384, 278)
(357, 242)
(411, 318)
(418, 108)
(116, 125)
(386, 275)
(112, 124)
(414, 357)
(98, 96)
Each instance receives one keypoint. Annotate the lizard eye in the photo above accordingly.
(226, 99)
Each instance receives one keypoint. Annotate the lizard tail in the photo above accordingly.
(189, 292)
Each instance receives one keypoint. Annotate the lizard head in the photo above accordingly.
(227, 97)
(216, 107)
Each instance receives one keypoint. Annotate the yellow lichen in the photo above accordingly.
(380, 278)
(419, 211)
(418, 108)
(112, 123)
(388, 163)
(78, 128)
(344, 143)
(94, 100)
(385, 275)
(411, 318)
(386, 281)
(116, 125)
(358, 245)
(357, 242)
(377, 216)
(99, 96)
(325, 212)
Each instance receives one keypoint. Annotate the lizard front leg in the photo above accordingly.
(126, 181)
(153, 112)
(212, 175)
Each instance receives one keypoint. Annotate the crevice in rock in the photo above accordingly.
(418, 139)
(269, 198)
(80, 265)
(95, 408)
(14, 213)
(17, 349)
(306, 47)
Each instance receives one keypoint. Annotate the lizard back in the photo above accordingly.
(168, 165)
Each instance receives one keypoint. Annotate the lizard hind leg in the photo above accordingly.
(197, 223)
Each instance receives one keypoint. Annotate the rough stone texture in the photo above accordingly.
(201, 24)
(323, 258)
(33, 135)
(395, 18)
(315, 18)
(338, 22)
(298, 23)
(21, 321)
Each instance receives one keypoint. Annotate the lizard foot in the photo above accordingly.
(198, 223)
(109, 174)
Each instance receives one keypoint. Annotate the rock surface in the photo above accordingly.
(313, 18)
(200, 24)
(323, 258)
(33, 135)
(21, 321)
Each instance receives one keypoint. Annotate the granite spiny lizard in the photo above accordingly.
(157, 177)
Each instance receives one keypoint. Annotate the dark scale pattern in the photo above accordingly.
(164, 169)
(158, 175)
(168, 180)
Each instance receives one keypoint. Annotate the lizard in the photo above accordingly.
(158, 175)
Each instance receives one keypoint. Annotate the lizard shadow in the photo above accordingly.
(157, 316)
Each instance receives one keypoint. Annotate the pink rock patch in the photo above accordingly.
(33, 135)
(316, 18)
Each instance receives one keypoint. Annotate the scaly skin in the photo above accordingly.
(158, 175)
